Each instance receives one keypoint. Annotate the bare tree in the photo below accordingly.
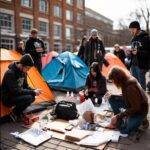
(142, 13)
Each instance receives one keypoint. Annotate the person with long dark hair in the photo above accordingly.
(95, 84)
(130, 111)
(81, 52)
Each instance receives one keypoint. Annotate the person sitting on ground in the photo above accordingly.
(95, 84)
(119, 53)
(15, 90)
(130, 111)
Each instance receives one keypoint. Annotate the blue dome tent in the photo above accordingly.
(66, 72)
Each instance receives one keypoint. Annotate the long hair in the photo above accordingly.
(82, 41)
(96, 68)
(119, 76)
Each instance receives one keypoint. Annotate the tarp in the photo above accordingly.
(48, 57)
(113, 61)
(34, 78)
(66, 72)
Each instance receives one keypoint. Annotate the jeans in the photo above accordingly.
(139, 74)
(128, 124)
(20, 103)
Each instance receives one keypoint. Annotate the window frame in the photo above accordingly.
(30, 3)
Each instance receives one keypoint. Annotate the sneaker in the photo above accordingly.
(13, 117)
(123, 135)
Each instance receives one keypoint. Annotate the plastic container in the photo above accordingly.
(81, 96)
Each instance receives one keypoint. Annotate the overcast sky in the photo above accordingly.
(114, 9)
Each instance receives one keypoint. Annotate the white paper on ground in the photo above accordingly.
(85, 106)
(95, 140)
(35, 136)
(99, 138)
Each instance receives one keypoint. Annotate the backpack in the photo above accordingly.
(66, 110)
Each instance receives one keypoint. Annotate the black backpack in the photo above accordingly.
(66, 110)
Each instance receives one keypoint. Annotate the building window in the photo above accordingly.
(69, 33)
(43, 27)
(70, 2)
(6, 21)
(80, 4)
(79, 18)
(57, 47)
(26, 3)
(69, 47)
(7, 43)
(69, 15)
(26, 24)
(57, 31)
(57, 11)
(43, 6)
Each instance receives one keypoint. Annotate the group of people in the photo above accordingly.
(133, 100)
(16, 92)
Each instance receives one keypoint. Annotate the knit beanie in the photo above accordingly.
(135, 24)
(27, 60)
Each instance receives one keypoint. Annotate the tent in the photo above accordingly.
(35, 80)
(113, 61)
(66, 72)
(48, 57)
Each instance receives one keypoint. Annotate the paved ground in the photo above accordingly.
(8, 142)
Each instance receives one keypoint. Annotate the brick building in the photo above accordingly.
(60, 22)
(103, 24)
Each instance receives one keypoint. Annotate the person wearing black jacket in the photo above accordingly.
(35, 47)
(95, 84)
(81, 52)
(14, 89)
(119, 53)
(140, 57)
(94, 50)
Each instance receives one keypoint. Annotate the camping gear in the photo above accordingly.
(35, 80)
(66, 72)
(66, 110)
(113, 61)
(48, 57)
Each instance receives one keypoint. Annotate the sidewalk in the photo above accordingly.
(8, 142)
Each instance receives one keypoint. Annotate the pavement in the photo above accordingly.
(8, 142)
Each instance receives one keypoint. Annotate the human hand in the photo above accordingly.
(114, 120)
(107, 96)
(38, 92)
(86, 92)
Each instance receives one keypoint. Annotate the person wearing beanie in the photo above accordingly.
(94, 50)
(15, 90)
(140, 53)
(36, 48)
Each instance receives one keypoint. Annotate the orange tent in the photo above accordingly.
(113, 61)
(35, 80)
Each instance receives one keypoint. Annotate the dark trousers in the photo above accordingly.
(92, 96)
(129, 124)
(20, 103)
(38, 64)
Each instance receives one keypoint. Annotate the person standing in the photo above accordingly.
(94, 50)
(119, 53)
(35, 47)
(15, 90)
(140, 57)
(20, 47)
(81, 52)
